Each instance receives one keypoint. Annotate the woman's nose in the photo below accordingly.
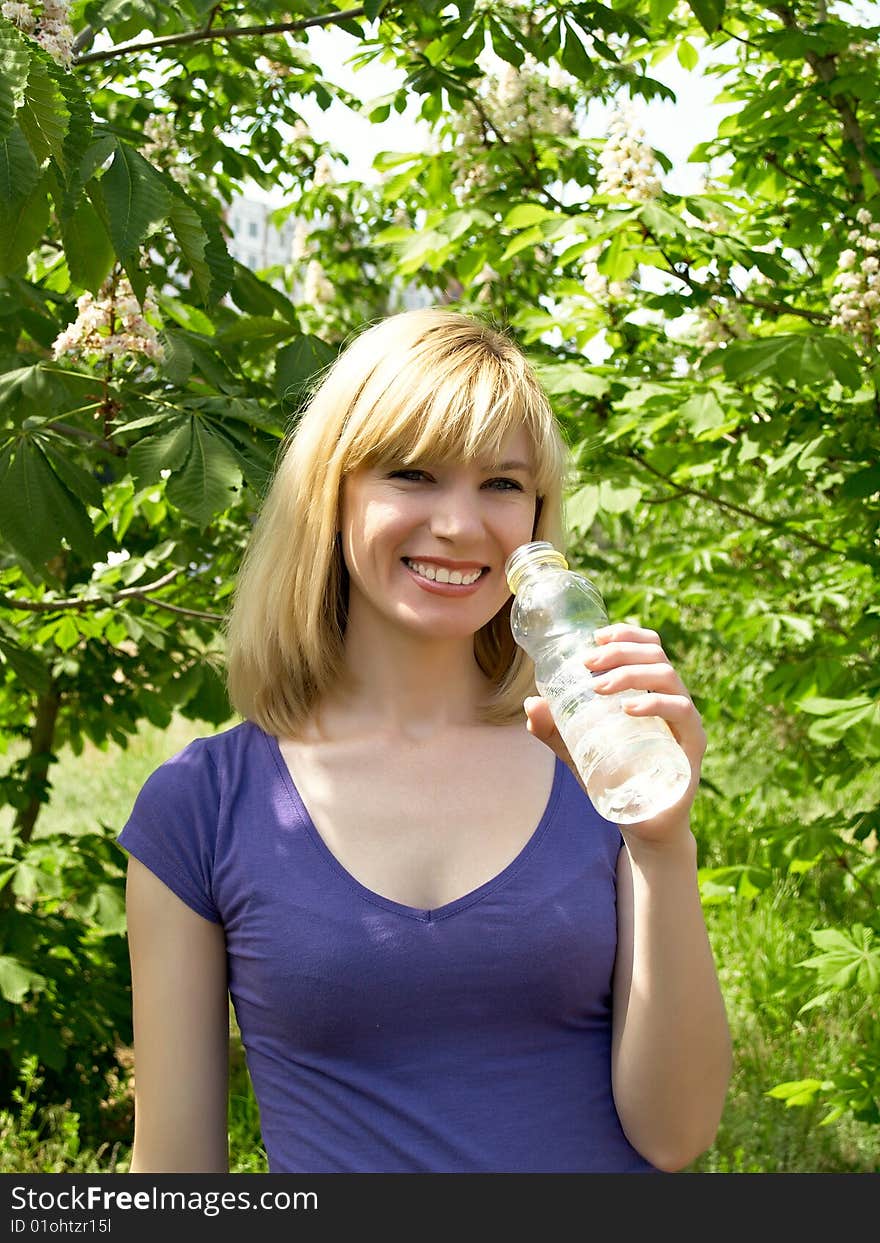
(455, 515)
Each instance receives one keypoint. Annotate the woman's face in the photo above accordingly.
(425, 544)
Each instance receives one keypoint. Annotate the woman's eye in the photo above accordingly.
(415, 475)
(506, 485)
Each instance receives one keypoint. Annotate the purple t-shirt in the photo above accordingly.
(473, 1038)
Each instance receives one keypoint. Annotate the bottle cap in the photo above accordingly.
(538, 552)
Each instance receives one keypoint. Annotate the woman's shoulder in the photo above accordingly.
(222, 746)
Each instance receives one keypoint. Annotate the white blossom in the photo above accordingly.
(111, 325)
(512, 104)
(855, 297)
(323, 174)
(299, 246)
(317, 289)
(162, 149)
(48, 23)
(21, 15)
(628, 168)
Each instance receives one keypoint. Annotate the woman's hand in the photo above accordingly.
(632, 658)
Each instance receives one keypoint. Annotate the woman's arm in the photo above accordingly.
(671, 1055)
(181, 1031)
(671, 1049)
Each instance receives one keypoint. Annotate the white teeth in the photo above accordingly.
(440, 574)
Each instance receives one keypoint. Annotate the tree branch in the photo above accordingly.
(78, 433)
(81, 603)
(695, 286)
(759, 519)
(226, 32)
(782, 308)
(825, 69)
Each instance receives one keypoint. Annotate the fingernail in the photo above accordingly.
(592, 658)
(599, 682)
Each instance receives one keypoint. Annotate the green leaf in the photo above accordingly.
(87, 246)
(818, 706)
(192, 240)
(210, 702)
(574, 56)
(253, 328)
(687, 55)
(177, 358)
(44, 116)
(797, 1091)
(298, 364)
(618, 261)
(616, 498)
(167, 451)
(529, 237)
(66, 634)
(372, 9)
(581, 507)
(15, 60)
(25, 665)
(525, 214)
(80, 482)
(703, 412)
(77, 139)
(38, 511)
(859, 726)
(17, 980)
(708, 13)
(849, 958)
(208, 482)
(660, 10)
(802, 358)
(136, 200)
(220, 263)
(19, 171)
(258, 297)
(662, 222)
(558, 378)
(22, 225)
(107, 910)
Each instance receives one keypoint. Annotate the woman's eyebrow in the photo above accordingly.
(511, 465)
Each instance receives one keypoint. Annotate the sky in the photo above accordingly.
(674, 128)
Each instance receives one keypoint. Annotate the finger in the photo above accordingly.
(609, 655)
(623, 632)
(539, 720)
(678, 712)
(677, 708)
(661, 678)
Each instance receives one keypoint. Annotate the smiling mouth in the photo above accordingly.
(441, 574)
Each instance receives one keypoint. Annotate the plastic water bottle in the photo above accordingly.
(632, 767)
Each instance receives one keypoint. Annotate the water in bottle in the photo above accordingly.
(632, 767)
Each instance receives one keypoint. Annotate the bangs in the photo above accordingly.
(460, 411)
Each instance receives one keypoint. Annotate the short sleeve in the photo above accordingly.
(172, 828)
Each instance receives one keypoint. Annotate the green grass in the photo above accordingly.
(756, 944)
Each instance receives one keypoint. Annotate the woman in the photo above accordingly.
(441, 958)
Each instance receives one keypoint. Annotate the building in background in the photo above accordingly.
(257, 243)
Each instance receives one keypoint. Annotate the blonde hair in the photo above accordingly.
(429, 383)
